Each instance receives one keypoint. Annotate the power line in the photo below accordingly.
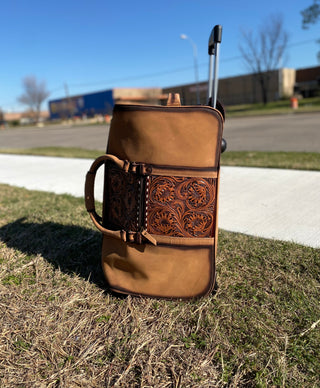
(144, 76)
(302, 43)
(166, 72)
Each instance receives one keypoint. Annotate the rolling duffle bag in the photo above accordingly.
(160, 201)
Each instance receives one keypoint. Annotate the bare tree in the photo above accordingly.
(265, 51)
(311, 15)
(35, 93)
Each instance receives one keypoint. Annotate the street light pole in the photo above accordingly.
(195, 60)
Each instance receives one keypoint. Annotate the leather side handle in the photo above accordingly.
(123, 235)
(89, 188)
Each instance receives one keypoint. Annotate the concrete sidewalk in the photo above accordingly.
(270, 203)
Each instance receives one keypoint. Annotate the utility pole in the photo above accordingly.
(69, 107)
(195, 61)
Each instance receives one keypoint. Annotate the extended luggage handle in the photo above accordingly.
(213, 51)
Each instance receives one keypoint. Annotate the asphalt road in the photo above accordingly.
(83, 136)
(294, 132)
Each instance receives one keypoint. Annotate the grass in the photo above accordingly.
(286, 160)
(61, 328)
(290, 160)
(275, 107)
(65, 152)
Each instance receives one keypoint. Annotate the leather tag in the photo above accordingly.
(174, 99)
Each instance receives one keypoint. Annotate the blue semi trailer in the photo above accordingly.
(82, 105)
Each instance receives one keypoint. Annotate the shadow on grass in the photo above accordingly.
(73, 249)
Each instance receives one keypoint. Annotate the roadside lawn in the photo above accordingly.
(61, 328)
(291, 160)
(274, 107)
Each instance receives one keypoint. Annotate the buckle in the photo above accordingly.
(141, 169)
(137, 237)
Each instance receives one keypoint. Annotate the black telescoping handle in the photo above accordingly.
(211, 44)
(215, 37)
(217, 33)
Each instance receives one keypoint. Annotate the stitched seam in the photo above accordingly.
(146, 202)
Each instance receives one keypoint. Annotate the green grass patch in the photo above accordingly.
(65, 152)
(260, 329)
(286, 160)
(306, 105)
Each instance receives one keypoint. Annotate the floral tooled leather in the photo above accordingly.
(123, 191)
(181, 207)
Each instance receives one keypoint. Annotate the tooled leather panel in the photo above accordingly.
(123, 195)
(180, 207)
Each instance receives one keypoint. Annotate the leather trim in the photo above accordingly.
(179, 168)
(180, 209)
(185, 171)
(184, 241)
(180, 206)
(128, 208)
(122, 192)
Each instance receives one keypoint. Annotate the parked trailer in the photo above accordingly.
(87, 105)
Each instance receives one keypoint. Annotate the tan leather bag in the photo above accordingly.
(160, 201)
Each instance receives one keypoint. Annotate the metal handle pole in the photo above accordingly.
(216, 70)
(210, 85)
(213, 49)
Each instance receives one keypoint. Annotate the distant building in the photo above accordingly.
(24, 117)
(243, 89)
(308, 82)
(102, 103)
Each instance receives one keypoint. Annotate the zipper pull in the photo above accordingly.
(148, 236)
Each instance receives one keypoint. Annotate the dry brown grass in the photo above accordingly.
(61, 328)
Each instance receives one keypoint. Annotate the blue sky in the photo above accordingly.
(95, 45)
